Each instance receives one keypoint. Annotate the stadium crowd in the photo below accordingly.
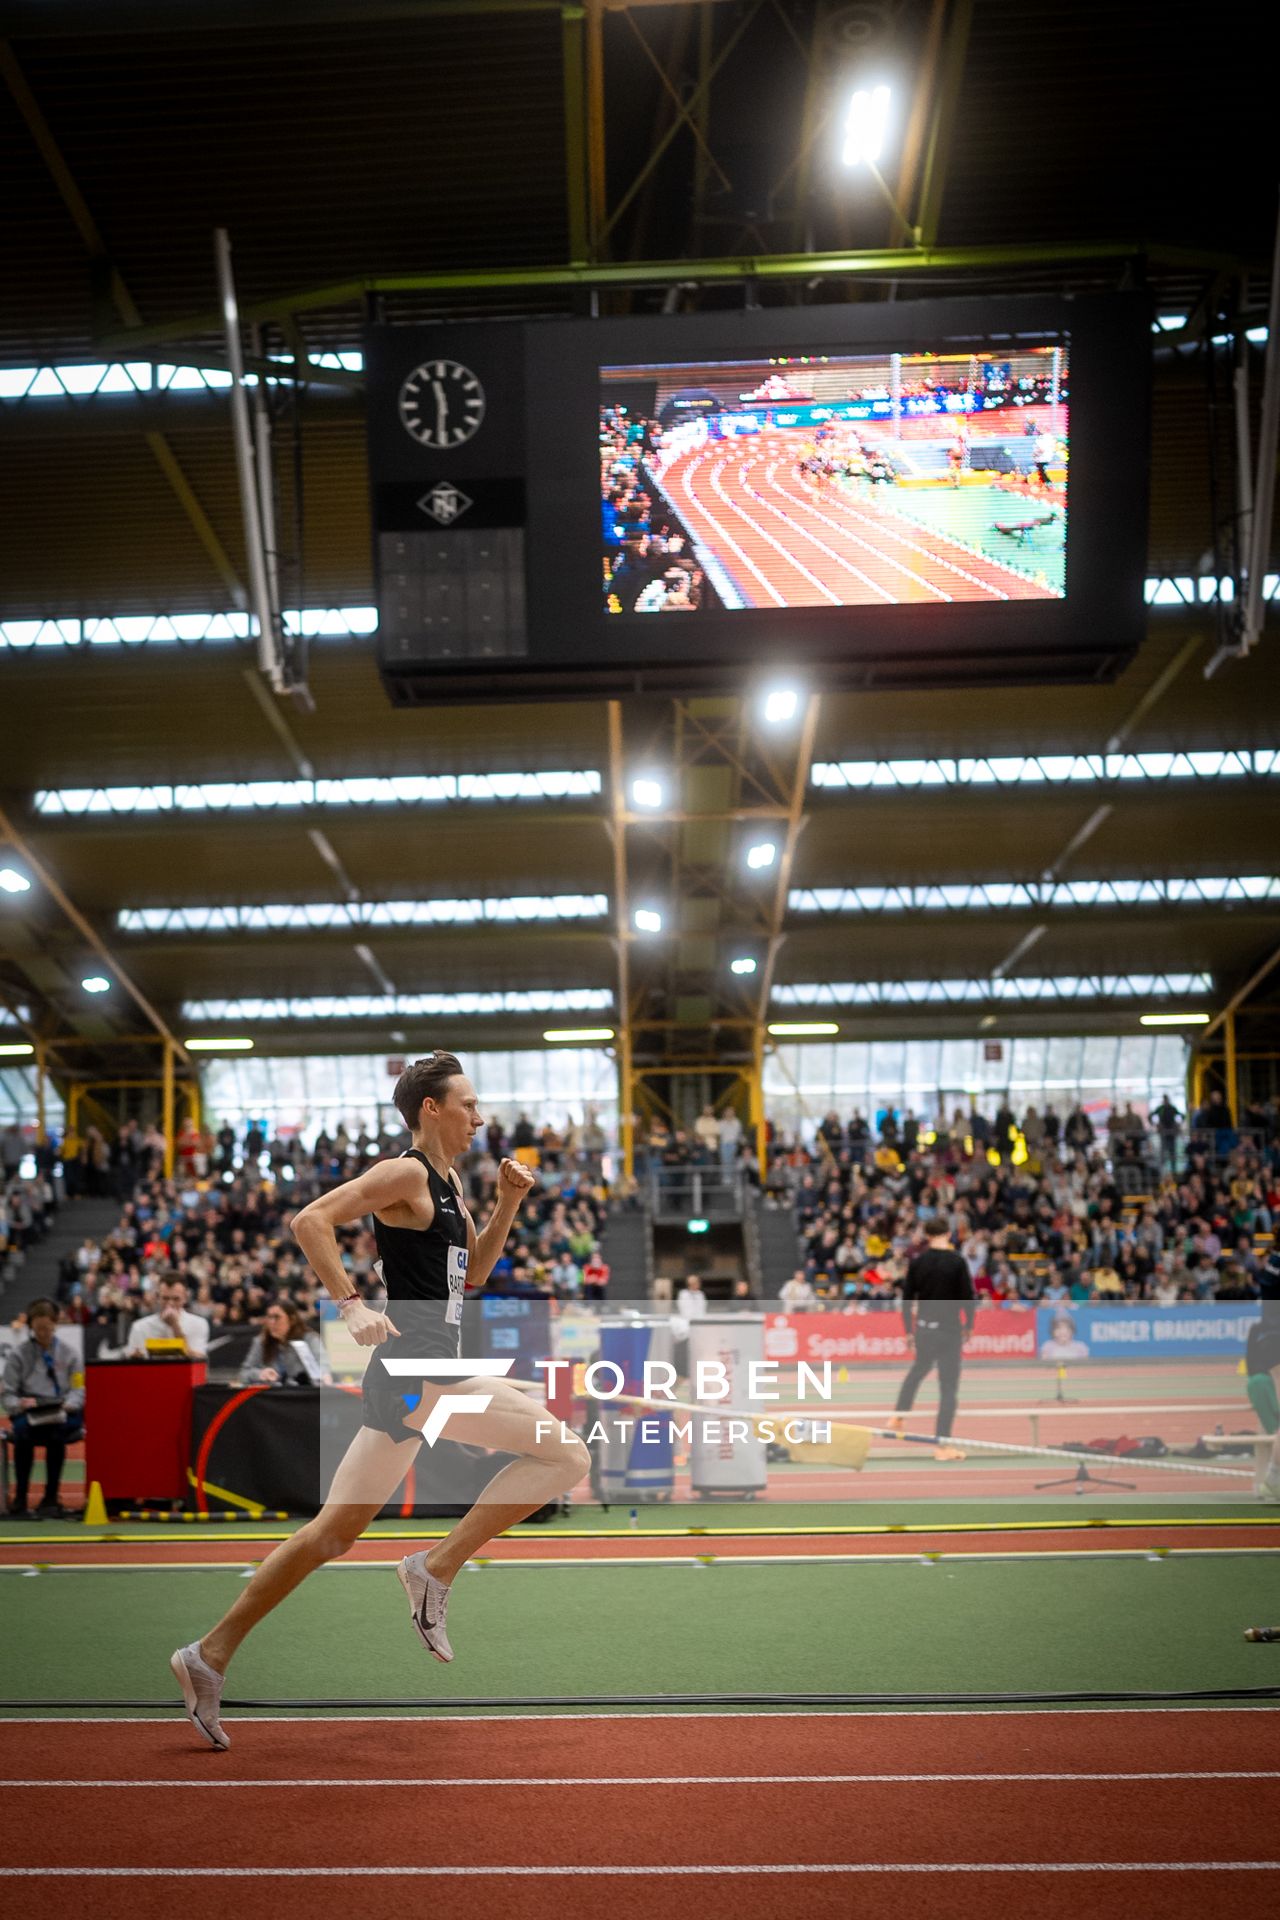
(214, 1243)
(1042, 1208)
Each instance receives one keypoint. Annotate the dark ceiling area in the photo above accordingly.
(405, 161)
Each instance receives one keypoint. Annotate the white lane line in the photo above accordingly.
(879, 551)
(843, 561)
(759, 532)
(413, 1717)
(909, 1556)
(669, 1780)
(663, 1870)
(700, 506)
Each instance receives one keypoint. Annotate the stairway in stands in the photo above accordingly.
(778, 1246)
(627, 1245)
(37, 1273)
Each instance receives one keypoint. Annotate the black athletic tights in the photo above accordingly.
(935, 1347)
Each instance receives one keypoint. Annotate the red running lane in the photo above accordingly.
(1151, 1895)
(925, 1824)
(224, 1551)
(1133, 1740)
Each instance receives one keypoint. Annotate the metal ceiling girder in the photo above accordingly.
(955, 49)
(876, 263)
(87, 227)
(87, 932)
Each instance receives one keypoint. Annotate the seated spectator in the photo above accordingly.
(170, 1321)
(273, 1359)
(46, 1410)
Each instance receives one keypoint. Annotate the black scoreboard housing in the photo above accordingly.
(505, 600)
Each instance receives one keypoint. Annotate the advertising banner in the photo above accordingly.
(1196, 1330)
(870, 1339)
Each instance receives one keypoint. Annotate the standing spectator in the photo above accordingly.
(12, 1150)
(45, 1407)
(707, 1131)
(595, 1276)
(1078, 1132)
(730, 1136)
(691, 1301)
(1166, 1117)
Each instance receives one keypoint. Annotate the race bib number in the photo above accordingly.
(457, 1271)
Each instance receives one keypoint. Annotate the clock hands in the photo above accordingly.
(442, 412)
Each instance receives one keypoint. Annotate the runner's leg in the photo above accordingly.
(367, 1475)
(549, 1464)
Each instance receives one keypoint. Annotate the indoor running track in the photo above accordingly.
(689, 1816)
(788, 544)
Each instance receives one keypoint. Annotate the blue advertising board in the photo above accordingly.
(1195, 1330)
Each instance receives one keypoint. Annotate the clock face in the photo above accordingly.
(441, 403)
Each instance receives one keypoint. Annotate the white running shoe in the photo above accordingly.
(202, 1691)
(428, 1604)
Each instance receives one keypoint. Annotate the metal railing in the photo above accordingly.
(679, 1194)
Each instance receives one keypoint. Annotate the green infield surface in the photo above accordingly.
(761, 1621)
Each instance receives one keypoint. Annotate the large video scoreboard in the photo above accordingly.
(933, 492)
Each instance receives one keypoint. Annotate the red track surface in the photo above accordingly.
(223, 1549)
(786, 543)
(663, 1794)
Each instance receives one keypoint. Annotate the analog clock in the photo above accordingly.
(441, 403)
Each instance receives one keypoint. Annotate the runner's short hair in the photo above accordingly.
(426, 1079)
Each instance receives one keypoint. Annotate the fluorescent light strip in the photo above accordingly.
(885, 993)
(179, 629)
(402, 1006)
(405, 790)
(320, 916)
(350, 623)
(1049, 769)
(83, 379)
(983, 896)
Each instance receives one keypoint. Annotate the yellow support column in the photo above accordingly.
(626, 1102)
(756, 1106)
(1233, 1086)
(42, 1135)
(166, 1119)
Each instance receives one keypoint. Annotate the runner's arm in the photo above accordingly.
(485, 1248)
(387, 1184)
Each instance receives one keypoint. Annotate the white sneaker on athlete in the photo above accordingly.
(428, 1604)
(202, 1691)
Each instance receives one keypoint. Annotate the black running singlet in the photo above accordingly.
(428, 1264)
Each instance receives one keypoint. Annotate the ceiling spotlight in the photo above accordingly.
(14, 882)
(1173, 1019)
(16, 1050)
(218, 1046)
(647, 921)
(865, 126)
(763, 854)
(794, 1029)
(554, 1034)
(96, 983)
(780, 705)
(647, 792)
(745, 964)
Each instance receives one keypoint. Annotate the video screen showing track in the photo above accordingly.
(835, 480)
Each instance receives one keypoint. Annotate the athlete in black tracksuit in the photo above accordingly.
(938, 1308)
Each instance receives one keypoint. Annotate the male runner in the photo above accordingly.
(938, 1308)
(430, 1254)
(1262, 1363)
